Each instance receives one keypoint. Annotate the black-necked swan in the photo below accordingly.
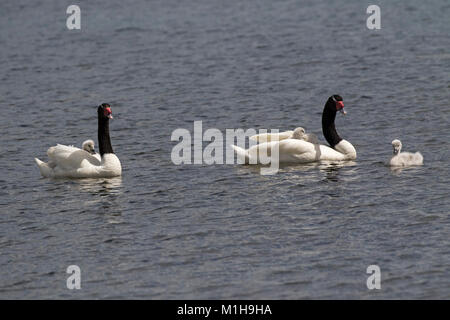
(300, 151)
(404, 159)
(299, 133)
(71, 162)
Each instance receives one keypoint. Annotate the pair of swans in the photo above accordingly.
(71, 162)
(298, 147)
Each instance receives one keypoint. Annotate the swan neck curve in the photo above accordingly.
(328, 127)
(104, 141)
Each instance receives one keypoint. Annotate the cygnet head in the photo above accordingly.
(88, 146)
(299, 133)
(397, 145)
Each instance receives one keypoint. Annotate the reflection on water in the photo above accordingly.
(106, 194)
(325, 166)
(331, 169)
(100, 186)
(398, 170)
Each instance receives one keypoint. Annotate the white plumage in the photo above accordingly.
(72, 162)
(296, 151)
(404, 159)
(299, 134)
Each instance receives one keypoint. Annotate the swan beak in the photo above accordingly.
(343, 111)
(110, 116)
(92, 151)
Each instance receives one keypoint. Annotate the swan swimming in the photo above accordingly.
(72, 162)
(299, 133)
(404, 159)
(300, 151)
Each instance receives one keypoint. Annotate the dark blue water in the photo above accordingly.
(225, 231)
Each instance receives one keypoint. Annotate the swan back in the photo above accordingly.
(268, 137)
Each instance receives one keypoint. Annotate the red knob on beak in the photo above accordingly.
(339, 105)
(108, 112)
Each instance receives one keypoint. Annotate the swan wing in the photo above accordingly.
(60, 150)
(98, 157)
(289, 151)
(294, 150)
(268, 137)
(69, 158)
(94, 159)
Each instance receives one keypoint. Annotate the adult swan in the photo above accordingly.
(71, 162)
(300, 151)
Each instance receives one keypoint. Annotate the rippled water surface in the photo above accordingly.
(225, 231)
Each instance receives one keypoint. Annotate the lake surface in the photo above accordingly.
(163, 231)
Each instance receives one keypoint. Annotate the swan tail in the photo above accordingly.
(242, 155)
(45, 170)
(418, 158)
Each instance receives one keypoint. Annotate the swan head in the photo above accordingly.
(397, 145)
(299, 133)
(336, 103)
(104, 111)
(88, 146)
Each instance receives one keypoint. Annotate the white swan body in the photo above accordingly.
(295, 151)
(298, 133)
(72, 162)
(66, 163)
(404, 159)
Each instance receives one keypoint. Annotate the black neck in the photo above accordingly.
(328, 128)
(104, 142)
